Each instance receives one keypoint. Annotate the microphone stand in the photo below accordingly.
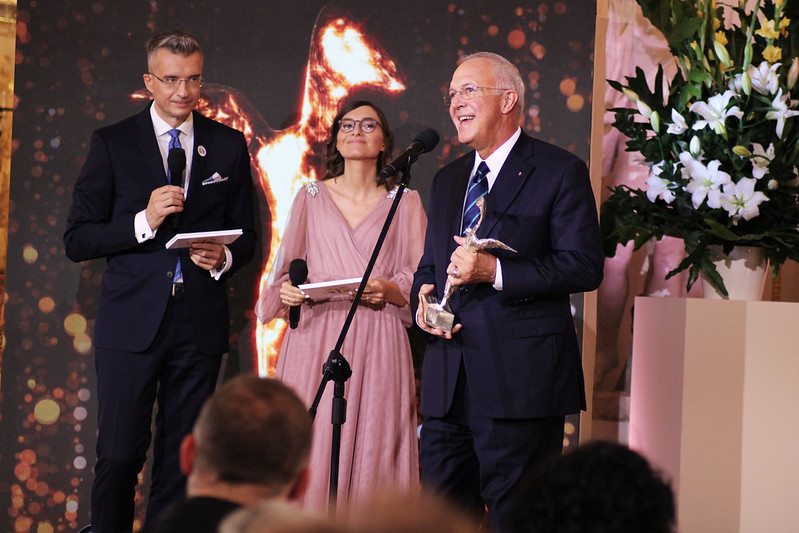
(336, 368)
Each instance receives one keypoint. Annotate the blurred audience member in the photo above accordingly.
(601, 487)
(251, 443)
(277, 516)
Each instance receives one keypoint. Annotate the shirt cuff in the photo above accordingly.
(216, 274)
(142, 228)
(498, 276)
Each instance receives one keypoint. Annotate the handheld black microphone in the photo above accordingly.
(298, 273)
(176, 162)
(423, 143)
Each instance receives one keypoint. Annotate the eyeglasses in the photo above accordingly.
(367, 125)
(468, 92)
(173, 82)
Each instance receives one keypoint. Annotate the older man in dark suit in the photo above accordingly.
(162, 318)
(496, 388)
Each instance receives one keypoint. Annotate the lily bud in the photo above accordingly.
(722, 54)
(746, 83)
(695, 146)
(742, 151)
(793, 73)
(747, 56)
(629, 93)
(644, 109)
(654, 119)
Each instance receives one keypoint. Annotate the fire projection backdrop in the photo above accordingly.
(277, 74)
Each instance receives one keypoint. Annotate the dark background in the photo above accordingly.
(78, 62)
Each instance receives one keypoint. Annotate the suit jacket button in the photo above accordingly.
(169, 275)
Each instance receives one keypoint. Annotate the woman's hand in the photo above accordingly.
(378, 292)
(291, 295)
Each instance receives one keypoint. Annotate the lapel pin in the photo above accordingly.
(201, 150)
(520, 173)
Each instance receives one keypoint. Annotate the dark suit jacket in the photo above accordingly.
(123, 167)
(518, 345)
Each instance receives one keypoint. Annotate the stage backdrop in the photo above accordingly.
(276, 73)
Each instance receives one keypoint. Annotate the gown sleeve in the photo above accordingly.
(410, 245)
(292, 246)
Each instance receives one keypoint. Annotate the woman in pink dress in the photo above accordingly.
(334, 224)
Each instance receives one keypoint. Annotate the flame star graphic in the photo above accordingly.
(342, 58)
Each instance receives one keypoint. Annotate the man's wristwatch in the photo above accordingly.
(222, 266)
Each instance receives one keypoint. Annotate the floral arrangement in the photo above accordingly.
(721, 142)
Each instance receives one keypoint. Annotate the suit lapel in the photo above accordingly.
(148, 146)
(460, 180)
(202, 138)
(512, 177)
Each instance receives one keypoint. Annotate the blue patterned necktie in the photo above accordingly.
(478, 187)
(174, 142)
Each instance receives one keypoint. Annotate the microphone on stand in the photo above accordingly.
(176, 162)
(422, 143)
(298, 273)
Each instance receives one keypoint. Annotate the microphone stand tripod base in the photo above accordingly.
(437, 316)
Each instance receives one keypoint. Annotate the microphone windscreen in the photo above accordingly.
(428, 138)
(298, 271)
(176, 160)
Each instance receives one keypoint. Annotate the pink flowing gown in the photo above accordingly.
(379, 448)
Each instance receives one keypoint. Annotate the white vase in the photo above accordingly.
(743, 272)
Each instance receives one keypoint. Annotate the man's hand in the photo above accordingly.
(207, 255)
(421, 311)
(471, 266)
(163, 202)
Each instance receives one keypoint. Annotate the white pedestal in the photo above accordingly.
(715, 405)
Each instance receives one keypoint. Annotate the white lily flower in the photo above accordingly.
(658, 187)
(678, 124)
(761, 159)
(780, 112)
(740, 200)
(714, 112)
(736, 84)
(706, 181)
(764, 77)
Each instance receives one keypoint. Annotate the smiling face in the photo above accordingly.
(173, 104)
(486, 120)
(357, 145)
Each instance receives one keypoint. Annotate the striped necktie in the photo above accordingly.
(478, 187)
(174, 142)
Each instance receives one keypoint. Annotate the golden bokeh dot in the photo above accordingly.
(575, 103)
(82, 343)
(516, 39)
(560, 8)
(493, 30)
(46, 411)
(23, 524)
(568, 86)
(29, 254)
(74, 324)
(45, 527)
(569, 428)
(46, 305)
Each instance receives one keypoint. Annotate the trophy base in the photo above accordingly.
(438, 317)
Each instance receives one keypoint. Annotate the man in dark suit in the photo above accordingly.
(496, 388)
(162, 317)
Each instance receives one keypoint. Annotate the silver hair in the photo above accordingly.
(507, 74)
(177, 42)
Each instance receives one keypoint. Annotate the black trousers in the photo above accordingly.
(477, 461)
(176, 374)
